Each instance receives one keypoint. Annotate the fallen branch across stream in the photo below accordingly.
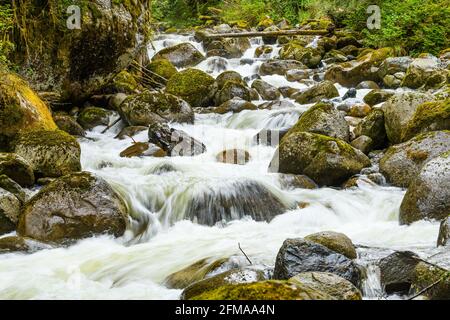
(269, 34)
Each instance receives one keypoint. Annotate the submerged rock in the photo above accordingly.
(72, 207)
(181, 55)
(335, 241)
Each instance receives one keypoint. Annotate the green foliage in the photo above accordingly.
(180, 13)
(6, 25)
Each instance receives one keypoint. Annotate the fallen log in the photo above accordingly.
(268, 34)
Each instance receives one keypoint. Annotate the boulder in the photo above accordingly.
(226, 76)
(181, 55)
(428, 193)
(347, 41)
(444, 232)
(69, 124)
(297, 75)
(50, 153)
(368, 85)
(326, 160)
(323, 118)
(13, 244)
(162, 68)
(394, 65)
(294, 181)
(192, 85)
(359, 110)
(364, 68)
(154, 106)
(234, 105)
(399, 110)
(337, 287)
(425, 72)
(124, 82)
(402, 162)
(372, 126)
(279, 67)
(335, 241)
(309, 56)
(429, 116)
(262, 51)
(376, 96)
(13, 187)
(10, 207)
(17, 168)
(233, 156)
(91, 117)
(20, 109)
(363, 143)
(230, 90)
(323, 90)
(230, 48)
(72, 207)
(299, 255)
(266, 90)
(397, 271)
(426, 275)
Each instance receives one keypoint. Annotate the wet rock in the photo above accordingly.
(351, 93)
(153, 106)
(429, 116)
(233, 276)
(375, 97)
(359, 110)
(399, 110)
(334, 56)
(69, 124)
(222, 78)
(233, 156)
(425, 275)
(162, 68)
(193, 273)
(249, 198)
(393, 65)
(367, 85)
(288, 92)
(13, 244)
(323, 90)
(347, 41)
(20, 109)
(10, 185)
(297, 75)
(397, 271)
(277, 105)
(363, 143)
(194, 86)
(323, 118)
(269, 137)
(266, 90)
(264, 290)
(72, 207)
(279, 67)
(50, 153)
(174, 142)
(337, 287)
(335, 241)
(428, 193)
(17, 168)
(372, 126)
(135, 150)
(10, 207)
(131, 131)
(425, 72)
(181, 55)
(262, 51)
(230, 90)
(234, 105)
(309, 56)
(123, 82)
(230, 48)
(293, 181)
(444, 232)
(299, 255)
(403, 162)
(91, 117)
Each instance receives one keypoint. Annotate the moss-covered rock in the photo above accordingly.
(403, 162)
(13, 244)
(91, 117)
(335, 241)
(444, 232)
(294, 181)
(279, 67)
(263, 51)
(264, 290)
(194, 86)
(20, 109)
(69, 124)
(228, 47)
(153, 106)
(377, 96)
(163, 68)
(309, 56)
(393, 65)
(337, 287)
(17, 168)
(323, 118)
(425, 275)
(425, 72)
(323, 90)
(50, 153)
(228, 76)
(429, 116)
(373, 127)
(181, 55)
(10, 207)
(399, 110)
(266, 90)
(328, 161)
(364, 68)
(193, 273)
(427, 194)
(124, 82)
(234, 105)
(10, 185)
(72, 207)
(230, 90)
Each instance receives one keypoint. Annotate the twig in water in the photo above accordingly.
(111, 125)
(134, 141)
(426, 289)
(248, 259)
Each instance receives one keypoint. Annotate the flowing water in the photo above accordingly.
(162, 193)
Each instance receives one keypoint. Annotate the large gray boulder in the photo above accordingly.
(181, 55)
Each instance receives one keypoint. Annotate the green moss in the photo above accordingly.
(125, 82)
(47, 138)
(163, 68)
(91, 117)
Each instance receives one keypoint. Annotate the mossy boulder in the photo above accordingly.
(72, 207)
(294, 181)
(335, 241)
(444, 232)
(347, 40)
(50, 153)
(17, 168)
(153, 106)
(20, 109)
(193, 273)
(391, 66)
(323, 118)
(181, 55)
(323, 90)
(194, 86)
(263, 51)
(279, 67)
(309, 56)
(266, 90)
(264, 290)
(399, 110)
(124, 82)
(233, 276)
(13, 244)
(69, 124)
(425, 72)
(230, 90)
(226, 76)
(428, 193)
(234, 105)
(373, 127)
(337, 287)
(163, 68)
(10, 207)
(366, 67)
(402, 162)
(377, 96)
(328, 161)
(425, 275)
(91, 117)
(228, 47)
(429, 116)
